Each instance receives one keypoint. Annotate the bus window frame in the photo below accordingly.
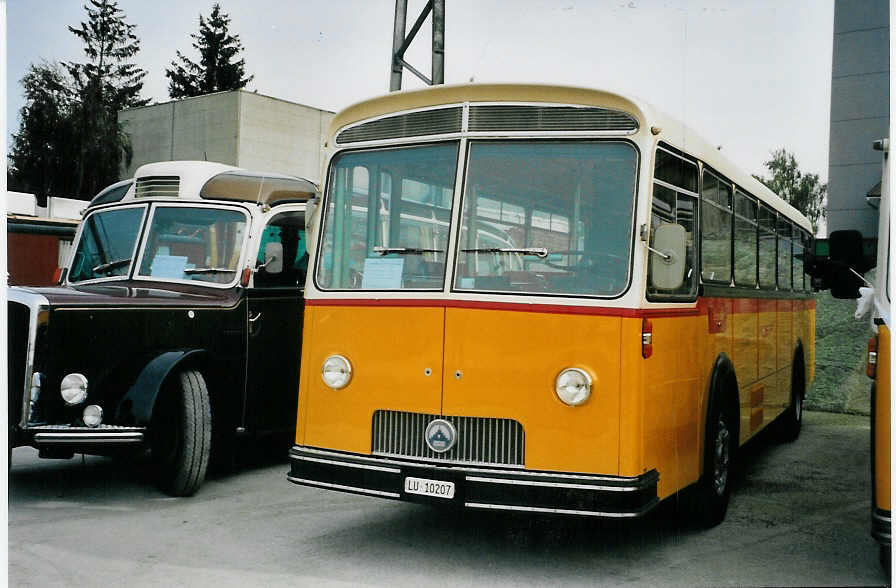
(720, 179)
(328, 191)
(532, 140)
(660, 297)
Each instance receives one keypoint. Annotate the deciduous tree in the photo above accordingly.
(803, 191)
(220, 67)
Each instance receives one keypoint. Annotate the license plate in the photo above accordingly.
(425, 487)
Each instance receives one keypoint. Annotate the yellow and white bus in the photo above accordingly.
(566, 302)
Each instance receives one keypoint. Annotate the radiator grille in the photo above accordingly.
(549, 118)
(479, 440)
(157, 186)
(413, 124)
(16, 356)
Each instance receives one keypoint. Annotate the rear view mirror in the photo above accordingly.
(847, 261)
(273, 258)
(667, 256)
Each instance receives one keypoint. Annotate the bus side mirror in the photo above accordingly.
(667, 256)
(845, 264)
(273, 258)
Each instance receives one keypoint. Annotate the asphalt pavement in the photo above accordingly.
(799, 516)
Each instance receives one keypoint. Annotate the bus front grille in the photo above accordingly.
(480, 440)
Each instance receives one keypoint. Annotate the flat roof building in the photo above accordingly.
(238, 127)
(860, 115)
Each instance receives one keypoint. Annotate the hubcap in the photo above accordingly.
(798, 405)
(721, 456)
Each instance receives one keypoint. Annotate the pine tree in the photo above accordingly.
(107, 83)
(218, 68)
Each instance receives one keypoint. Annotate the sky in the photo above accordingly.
(748, 75)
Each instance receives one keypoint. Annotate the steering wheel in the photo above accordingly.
(590, 260)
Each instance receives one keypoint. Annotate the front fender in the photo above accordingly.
(136, 407)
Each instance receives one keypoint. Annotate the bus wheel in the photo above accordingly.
(792, 419)
(707, 501)
(181, 434)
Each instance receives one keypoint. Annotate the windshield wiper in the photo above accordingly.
(539, 252)
(105, 267)
(404, 250)
(207, 270)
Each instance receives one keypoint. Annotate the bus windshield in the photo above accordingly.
(388, 218)
(107, 244)
(561, 211)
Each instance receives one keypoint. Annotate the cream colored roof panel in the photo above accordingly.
(672, 131)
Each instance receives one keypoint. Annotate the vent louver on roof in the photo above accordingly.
(157, 186)
(413, 124)
(549, 118)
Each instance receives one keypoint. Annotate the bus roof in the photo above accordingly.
(671, 131)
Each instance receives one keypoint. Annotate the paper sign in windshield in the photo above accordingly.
(168, 266)
(382, 274)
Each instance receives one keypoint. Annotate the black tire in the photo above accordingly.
(181, 434)
(885, 558)
(792, 420)
(706, 502)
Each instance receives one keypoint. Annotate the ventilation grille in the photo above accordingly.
(479, 440)
(157, 186)
(549, 118)
(413, 124)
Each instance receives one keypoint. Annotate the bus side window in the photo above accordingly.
(288, 229)
(675, 201)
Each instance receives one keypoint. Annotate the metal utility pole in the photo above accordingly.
(400, 43)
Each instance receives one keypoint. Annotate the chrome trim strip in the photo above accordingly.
(552, 484)
(35, 303)
(341, 487)
(349, 464)
(589, 513)
(508, 470)
(106, 437)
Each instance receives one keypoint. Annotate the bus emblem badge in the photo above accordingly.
(440, 435)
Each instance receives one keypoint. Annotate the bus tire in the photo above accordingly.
(792, 419)
(707, 501)
(181, 434)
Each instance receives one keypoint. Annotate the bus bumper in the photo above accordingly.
(477, 487)
(881, 526)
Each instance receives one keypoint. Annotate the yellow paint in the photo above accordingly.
(509, 361)
(882, 421)
(643, 414)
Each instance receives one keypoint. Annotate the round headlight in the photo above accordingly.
(93, 415)
(573, 386)
(74, 389)
(336, 372)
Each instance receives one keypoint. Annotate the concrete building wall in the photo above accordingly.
(859, 111)
(236, 128)
(275, 135)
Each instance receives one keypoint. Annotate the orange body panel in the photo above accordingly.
(508, 362)
(390, 349)
(882, 421)
(643, 414)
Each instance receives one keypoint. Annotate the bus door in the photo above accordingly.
(275, 323)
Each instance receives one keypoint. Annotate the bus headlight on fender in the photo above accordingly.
(73, 389)
(336, 372)
(573, 386)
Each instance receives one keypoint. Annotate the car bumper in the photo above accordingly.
(73, 437)
(881, 526)
(478, 487)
